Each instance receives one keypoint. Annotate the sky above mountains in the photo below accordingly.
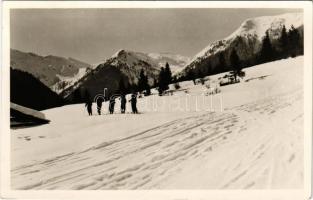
(92, 35)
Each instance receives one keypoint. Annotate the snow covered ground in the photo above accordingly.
(248, 136)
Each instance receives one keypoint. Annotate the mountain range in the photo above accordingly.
(246, 40)
(124, 65)
(71, 78)
(51, 70)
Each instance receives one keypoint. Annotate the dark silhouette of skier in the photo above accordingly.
(111, 105)
(99, 105)
(123, 103)
(88, 102)
(133, 102)
(89, 107)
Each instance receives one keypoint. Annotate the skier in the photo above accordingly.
(89, 107)
(112, 104)
(123, 103)
(99, 105)
(133, 102)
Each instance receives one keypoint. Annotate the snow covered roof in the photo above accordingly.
(22, 116)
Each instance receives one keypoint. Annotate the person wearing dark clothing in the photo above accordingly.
(112, 104)
(89, 107)
(99, 105)
(123, 103)
(133, 102)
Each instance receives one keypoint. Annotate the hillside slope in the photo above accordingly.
(177, 142)
(26, 90)
(48, 69)
(125, 65)
(246, 40)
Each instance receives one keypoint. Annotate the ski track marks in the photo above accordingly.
(144, 160)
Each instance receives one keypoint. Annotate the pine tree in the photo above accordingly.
(162, 81)
(143, 84)
(168, 74)
(283, 42)
(236, 65)
(294, 41)
(165, 78)
(267, 51)
(141, 81)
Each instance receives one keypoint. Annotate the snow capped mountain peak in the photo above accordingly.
(155, 60)
(132, 59)
(252, 29)
(257, 26)
(119, 53)
(127, 64)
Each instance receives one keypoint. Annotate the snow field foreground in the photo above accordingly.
(254, 140)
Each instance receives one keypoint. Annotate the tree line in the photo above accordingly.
(289, 44)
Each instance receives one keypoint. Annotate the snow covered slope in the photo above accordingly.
(236, 139)
(68, 81)
(246, 40)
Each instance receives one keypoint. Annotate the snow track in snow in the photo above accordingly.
(155, 158)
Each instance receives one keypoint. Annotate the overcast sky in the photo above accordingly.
(92, 35)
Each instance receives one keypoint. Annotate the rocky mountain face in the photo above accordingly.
(130, 63)
(124, 65)
(246, 40)
(53, 71)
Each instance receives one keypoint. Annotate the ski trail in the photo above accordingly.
(179, 140)
(156, 157)
(258, 157)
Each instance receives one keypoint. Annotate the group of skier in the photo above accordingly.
(99, 101)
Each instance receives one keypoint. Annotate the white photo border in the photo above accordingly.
(7, 192)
